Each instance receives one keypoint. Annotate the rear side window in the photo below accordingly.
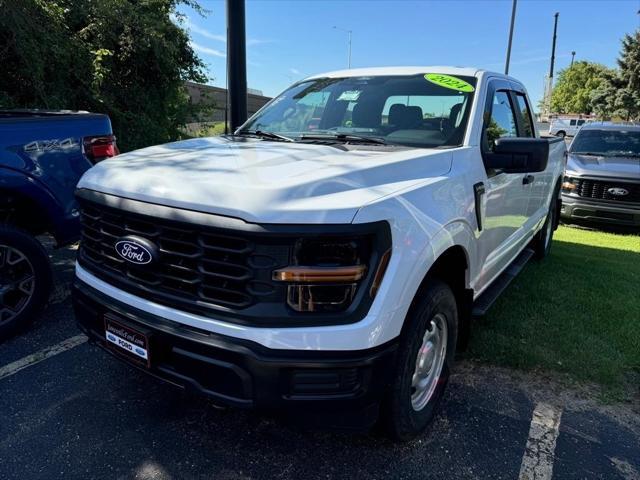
(572, 123)
(525, 113)
(502, 122)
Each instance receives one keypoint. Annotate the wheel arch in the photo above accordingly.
(452, 267)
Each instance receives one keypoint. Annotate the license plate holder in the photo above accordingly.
(131, 343)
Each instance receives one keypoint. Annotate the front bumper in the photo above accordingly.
(599, 211)
(242, 373)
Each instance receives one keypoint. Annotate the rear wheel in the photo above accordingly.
(25, 279)
(561, 134)
(425, 359)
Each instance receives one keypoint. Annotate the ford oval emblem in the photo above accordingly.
(618, 192)
(136, 250)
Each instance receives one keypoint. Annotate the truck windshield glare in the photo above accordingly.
(412, 110)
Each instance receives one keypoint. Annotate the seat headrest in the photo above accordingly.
(453, 114)
(364, 115)
(414, 117)
(396, 113)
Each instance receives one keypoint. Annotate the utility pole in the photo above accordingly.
(236, 63)
(350, 32)
(573, 55)
(513, 20)
(553, 61)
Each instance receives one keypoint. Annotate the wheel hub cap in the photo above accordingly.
(429, 362)
(17, 282)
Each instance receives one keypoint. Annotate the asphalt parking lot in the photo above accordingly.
(72, 411)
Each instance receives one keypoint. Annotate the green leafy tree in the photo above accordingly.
(619, 93)
(126, 58)
(573, 90)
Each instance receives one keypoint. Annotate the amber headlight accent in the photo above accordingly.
(326, 273)
(569, 185)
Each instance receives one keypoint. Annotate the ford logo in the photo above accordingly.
(618, 192)
(136, 250)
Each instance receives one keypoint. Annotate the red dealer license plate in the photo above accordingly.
(126, 341)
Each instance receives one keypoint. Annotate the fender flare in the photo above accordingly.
(24, 186)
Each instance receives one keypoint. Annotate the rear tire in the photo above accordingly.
(425, 360)
(561, 134)
(25, 279)
(544, 238)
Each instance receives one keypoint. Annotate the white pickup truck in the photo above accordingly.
(328, 256)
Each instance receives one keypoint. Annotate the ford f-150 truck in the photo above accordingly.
(330, 254)
(602, 176)
(43, 154)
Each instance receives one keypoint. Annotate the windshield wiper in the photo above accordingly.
(590, 154)
(343, 137)
(263, 134)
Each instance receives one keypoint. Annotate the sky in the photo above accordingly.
(289, 40)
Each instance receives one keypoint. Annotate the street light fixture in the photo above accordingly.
(350, 32)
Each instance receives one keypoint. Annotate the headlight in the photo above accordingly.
(569, 185)
(327, 272)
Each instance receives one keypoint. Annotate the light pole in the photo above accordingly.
(553, 61)
(513, 20)
(573, 55)
(350, 32)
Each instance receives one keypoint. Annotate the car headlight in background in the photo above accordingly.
(569, 185)
(327, 272)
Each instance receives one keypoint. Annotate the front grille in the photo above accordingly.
(199, 269)
(598, 190)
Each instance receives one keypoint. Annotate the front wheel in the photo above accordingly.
(25, 279)
(425, 359)
(543, 239)
(561, 134)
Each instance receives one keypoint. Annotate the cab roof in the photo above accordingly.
(378, 71)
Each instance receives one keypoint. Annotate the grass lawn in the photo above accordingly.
(577, 312)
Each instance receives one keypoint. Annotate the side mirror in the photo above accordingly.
(518, 155)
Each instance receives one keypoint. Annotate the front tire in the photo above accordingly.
(25, 279)
(425, 360)
(544, 238)
(561, 134)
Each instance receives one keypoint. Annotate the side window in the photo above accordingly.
(581, 122)
(572, 123)
(525, 113)
(502, 121)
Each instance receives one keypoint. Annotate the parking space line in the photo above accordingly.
(41, 355)
(537, 462)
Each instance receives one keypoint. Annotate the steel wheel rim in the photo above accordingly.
(429, 362)
(17, 283)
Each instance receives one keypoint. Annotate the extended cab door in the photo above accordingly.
(506, 195)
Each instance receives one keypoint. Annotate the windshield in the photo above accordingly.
(607, 142)
(429, 110)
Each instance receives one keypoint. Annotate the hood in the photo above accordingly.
(613, 167)
(263, 181)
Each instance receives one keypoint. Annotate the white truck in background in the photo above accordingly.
(328, 256)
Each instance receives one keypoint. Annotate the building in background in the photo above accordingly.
(217, 98)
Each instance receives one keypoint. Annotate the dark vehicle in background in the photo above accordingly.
(43, 154)
(602, 176)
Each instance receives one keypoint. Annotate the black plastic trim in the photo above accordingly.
(259, 314)
(262, 372)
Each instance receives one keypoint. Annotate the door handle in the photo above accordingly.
(528, 179)
(478, 192)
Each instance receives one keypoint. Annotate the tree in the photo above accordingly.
(575, 85)
(619, 93)
(121, 57)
